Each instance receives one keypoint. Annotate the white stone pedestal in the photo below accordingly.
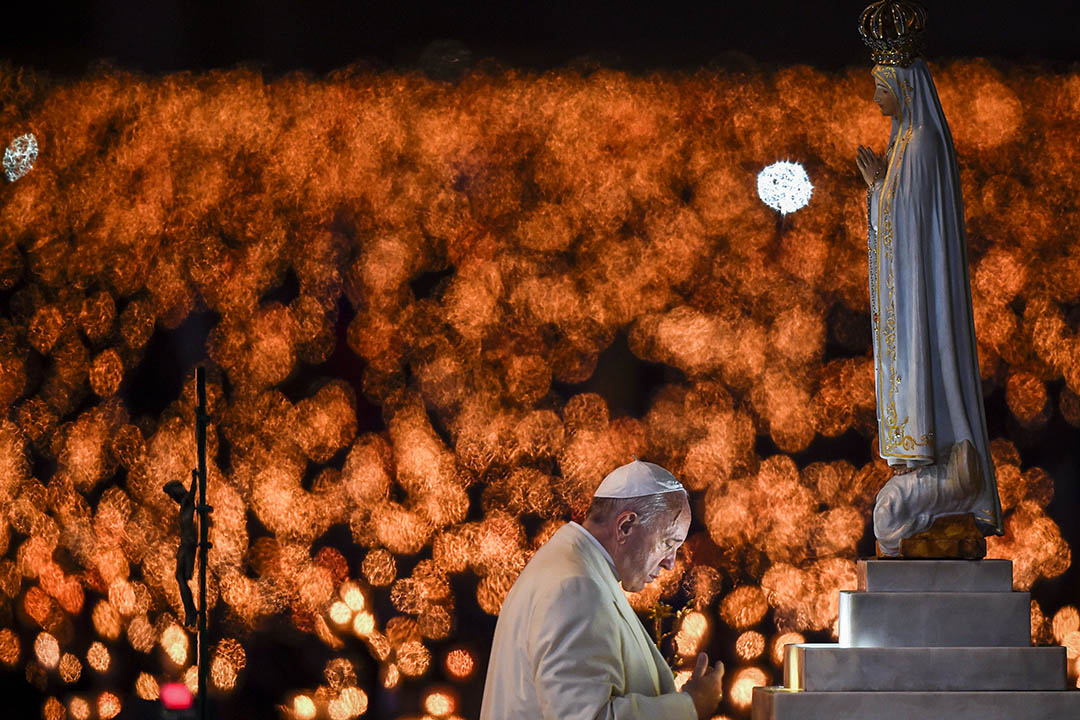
(926, 639)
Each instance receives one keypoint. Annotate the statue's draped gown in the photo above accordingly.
(925, 364)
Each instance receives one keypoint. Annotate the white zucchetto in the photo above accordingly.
(637, 479)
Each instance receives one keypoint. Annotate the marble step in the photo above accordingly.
(935, 575)
(775, 703)
(830, 668)
(935, 619)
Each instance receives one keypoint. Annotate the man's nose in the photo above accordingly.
(668, 562)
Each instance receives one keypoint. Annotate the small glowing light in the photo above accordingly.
(191, 679)
(47, 650)
(1066, 620)
(439, 704)
(70, 668)
(175, 642)
(363, 624)
(141, 634)
(353, 597)
(784, 186)
(413, 658)
(695, 624)
(223, 673)
(108, 706)
(229, 660)
(744, 607)
(391, 676)
(53, 709)
(37, 604)
(20, 156)
(97, 657)
(303, 707)
(339, 673)
(691, 633)
(122, 597)
(354, 701)
(146, 687)
(336, 710)
(9, 647)
(79, 708)
(742, 690)
(459, 663)
(750, 645)
(340, 613)
(776, 652)
(174, 696)
(106, 620)
(435, 623)
(379, 567)
(379, 645)
(1071, 641)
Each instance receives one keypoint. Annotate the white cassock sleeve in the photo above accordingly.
(575, 646)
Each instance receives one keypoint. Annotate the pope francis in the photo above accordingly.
(567, 644)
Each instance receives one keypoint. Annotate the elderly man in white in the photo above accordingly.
(567, 645)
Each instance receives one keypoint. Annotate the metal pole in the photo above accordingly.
(204, 543)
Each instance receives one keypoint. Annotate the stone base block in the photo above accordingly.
(935, 575)
(831, 668)
(935, 619)
(773, 703)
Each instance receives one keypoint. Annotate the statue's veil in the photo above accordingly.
(927, 370)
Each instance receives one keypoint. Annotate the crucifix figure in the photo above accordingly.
(185, 554)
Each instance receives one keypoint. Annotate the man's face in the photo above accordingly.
(649, 548)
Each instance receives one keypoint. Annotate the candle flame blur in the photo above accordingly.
(473, 252)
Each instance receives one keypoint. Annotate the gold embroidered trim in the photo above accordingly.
(893, 435)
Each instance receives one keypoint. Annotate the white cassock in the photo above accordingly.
(568, 646)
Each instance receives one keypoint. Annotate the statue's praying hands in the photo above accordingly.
(871, 165)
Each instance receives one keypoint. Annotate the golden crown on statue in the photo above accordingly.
(893, 30)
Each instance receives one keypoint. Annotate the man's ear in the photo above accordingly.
(625, 521)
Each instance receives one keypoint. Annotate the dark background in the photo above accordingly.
(279, 36)
(318, 36)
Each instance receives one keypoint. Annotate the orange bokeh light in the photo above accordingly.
(9, 647)
(146, 687)
(79, 708)
(743, 684)
(440, 703)
(475, 249)
(459, 663)
(750, 645)
(47, 650)
(70, 668)
(97, 657)
(108, 706)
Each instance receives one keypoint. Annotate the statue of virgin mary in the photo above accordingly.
(931, 421)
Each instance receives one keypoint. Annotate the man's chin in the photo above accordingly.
(640, 586)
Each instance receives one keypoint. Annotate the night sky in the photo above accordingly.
(319, 36)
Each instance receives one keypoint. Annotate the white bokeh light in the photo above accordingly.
(784, 186)
(20, 155)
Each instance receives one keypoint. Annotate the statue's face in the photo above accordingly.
(885, 99)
